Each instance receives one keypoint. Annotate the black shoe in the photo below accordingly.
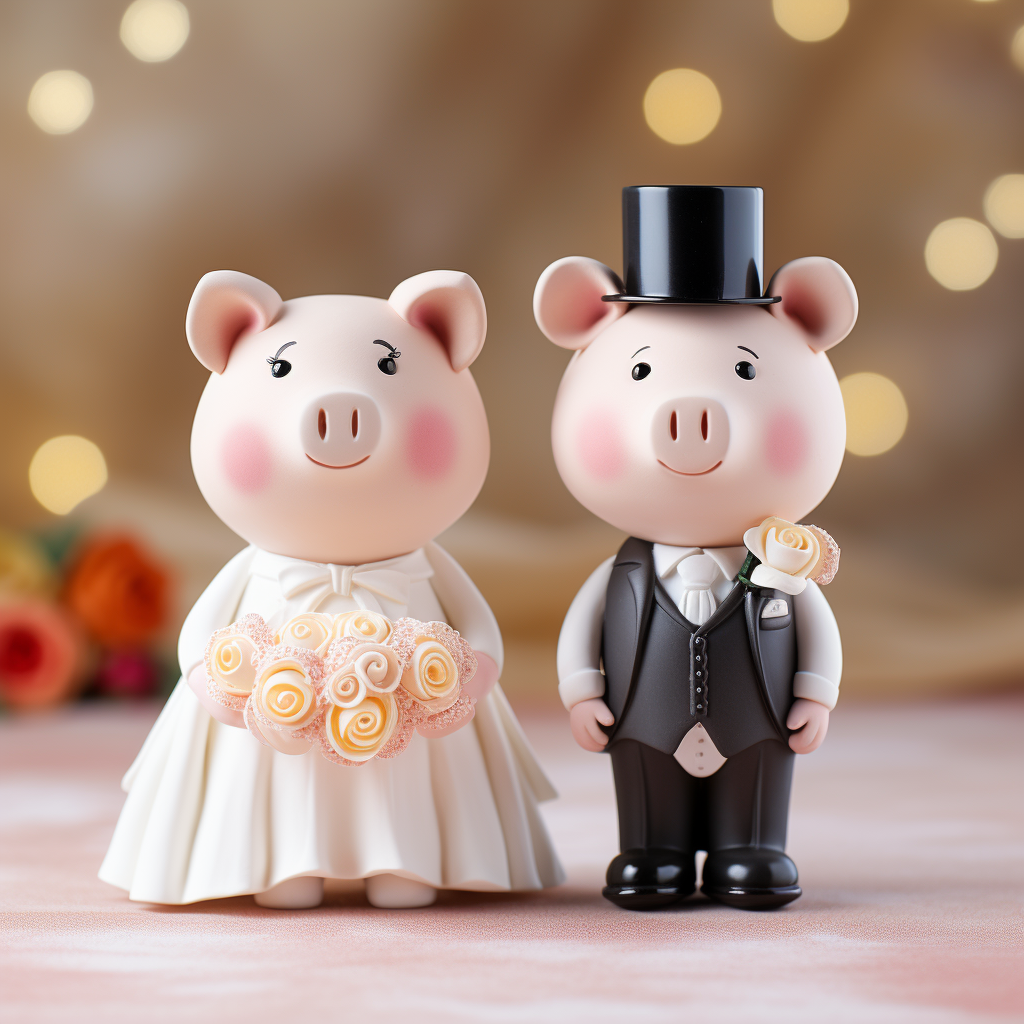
(650, 879)
(750, 877)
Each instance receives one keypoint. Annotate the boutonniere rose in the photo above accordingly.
(790, 555)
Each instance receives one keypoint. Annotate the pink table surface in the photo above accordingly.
(908, 827)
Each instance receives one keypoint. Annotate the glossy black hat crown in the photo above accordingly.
(693, 243)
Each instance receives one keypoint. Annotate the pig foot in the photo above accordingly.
(293, 894)
(393, 892)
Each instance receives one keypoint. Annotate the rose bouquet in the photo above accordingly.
(356, 684)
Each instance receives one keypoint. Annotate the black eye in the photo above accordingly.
(279, 367)
(745, 370)
(387, 364)
(641, 370)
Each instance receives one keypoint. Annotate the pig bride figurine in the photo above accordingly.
(702, 418)
(338, 435)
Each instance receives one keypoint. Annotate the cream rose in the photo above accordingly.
(788, 553)
(310, 630)
(432, 677)
(368, 667)
(358, 733)
(285, 695)
(363, 625)
(230, 664)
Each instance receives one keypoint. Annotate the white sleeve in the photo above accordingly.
(579, 644)
(215, 608)
(464, 605)
(819, 660)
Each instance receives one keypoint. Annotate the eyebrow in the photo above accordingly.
(388, 345)
(750, 350)
(287, 344)
(638, 351)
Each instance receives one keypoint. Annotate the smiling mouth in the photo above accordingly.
(327, 465)
(703, 472)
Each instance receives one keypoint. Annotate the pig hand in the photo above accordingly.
(228, 716)
(809, 721)
(584, 719)
(484, 678)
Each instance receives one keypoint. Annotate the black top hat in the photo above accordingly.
(693, 243)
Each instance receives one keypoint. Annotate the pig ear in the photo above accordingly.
(818, 297)
(224, 306)
(449, 305)
(567, 301)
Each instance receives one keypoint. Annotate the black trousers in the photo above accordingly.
(745, 803)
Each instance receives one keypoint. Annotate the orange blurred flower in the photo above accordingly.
(39, 654)
(118, 591)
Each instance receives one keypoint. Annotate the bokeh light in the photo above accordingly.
(682, 106)
(60, 101)
(810, 21)
(154, 30)
(876, 413)
(1004, 205)
(961, 253)
(1017, 48)
(65, 471)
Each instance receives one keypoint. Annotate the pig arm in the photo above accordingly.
(471, 615)
(819, 667)
(581, 683)
(579, 643)
(215, 608)
(819, 650)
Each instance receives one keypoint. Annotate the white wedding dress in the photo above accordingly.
(211, 812)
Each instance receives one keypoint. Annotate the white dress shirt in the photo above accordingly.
(698, 580)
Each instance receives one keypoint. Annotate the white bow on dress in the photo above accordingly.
(365, 584)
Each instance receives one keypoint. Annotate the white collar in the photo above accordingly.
(414, 564)
(367, 585)
(667, 557)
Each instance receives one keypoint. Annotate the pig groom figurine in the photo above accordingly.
(693, 409)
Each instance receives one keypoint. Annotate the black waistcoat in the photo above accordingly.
(664, 674)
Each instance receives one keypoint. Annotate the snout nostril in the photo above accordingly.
(704, 425)
(355, 424)
(672, 426)
(321, 425)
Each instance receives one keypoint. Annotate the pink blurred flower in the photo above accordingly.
(40, 652)
(127, 675)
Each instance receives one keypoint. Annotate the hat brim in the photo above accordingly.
(764, 300)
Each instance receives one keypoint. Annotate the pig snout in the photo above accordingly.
(691, 435)
(340, 430)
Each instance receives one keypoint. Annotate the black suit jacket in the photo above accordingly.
(664, 674)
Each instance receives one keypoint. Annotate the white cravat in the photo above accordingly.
(698, 573)
(698, 580)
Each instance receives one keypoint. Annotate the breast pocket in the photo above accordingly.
(776, 613)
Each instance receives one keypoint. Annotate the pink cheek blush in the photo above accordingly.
(599, 445)
(431, 444)
(245, 458)
(785, 443)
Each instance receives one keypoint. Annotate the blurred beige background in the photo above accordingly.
(343, 146)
